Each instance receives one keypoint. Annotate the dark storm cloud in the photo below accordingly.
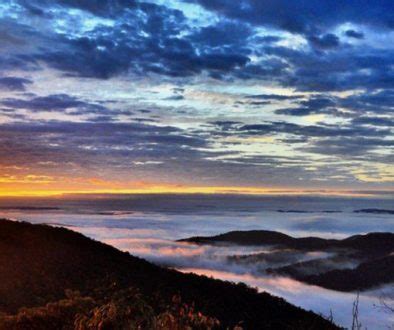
(56, 102)
(326, 41)
(267, 39)
(14, 83)
(374, 121)
(344, 69)
(143, 46)
(266, 69)
(70, 105)
(145, 120)
(145, 38)
(274, 97)
(305, 16)
(223, 34)
(106, 8)
(314, 105)
(294, 111)
(142, 39)
(148, 38)
(175, 98)
(20, 61)
(354, 34)
(379, 102)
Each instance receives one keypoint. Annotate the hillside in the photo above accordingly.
(372, 242)
(371, 273)
(53, 278)
(358, 262)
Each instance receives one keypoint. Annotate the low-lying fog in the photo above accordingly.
(153, 234)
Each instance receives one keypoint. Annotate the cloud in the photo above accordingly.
(223, 34)
(304, 16)
(374, 121)
(326, 41)
(343, 69)
(274, 64)
(354, 34)
(320, 104)
(350, 146)
(344, 141)
(275, 97)
(144, 38)
(107, 8)
(54, 102)
(175, 98)
(149, 39)
(380, 101)
(14, 83)
(312, 130)
(97, 147)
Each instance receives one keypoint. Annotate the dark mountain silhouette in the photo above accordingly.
(375, 211)
(367, 274)
(370, 257)
(374, 242)
(54, 278)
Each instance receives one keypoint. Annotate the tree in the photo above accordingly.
(356, 324)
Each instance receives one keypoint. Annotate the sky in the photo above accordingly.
(251, 96)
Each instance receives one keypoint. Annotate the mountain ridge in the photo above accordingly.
(265, 237)
(372, 255)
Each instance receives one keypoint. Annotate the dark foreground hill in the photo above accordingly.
(356, 263)
(53, 278)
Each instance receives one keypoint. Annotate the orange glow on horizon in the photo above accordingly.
(174, 189)
(57, 186)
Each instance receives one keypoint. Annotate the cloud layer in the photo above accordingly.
(199, 92)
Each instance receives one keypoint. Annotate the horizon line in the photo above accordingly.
(255, 191)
